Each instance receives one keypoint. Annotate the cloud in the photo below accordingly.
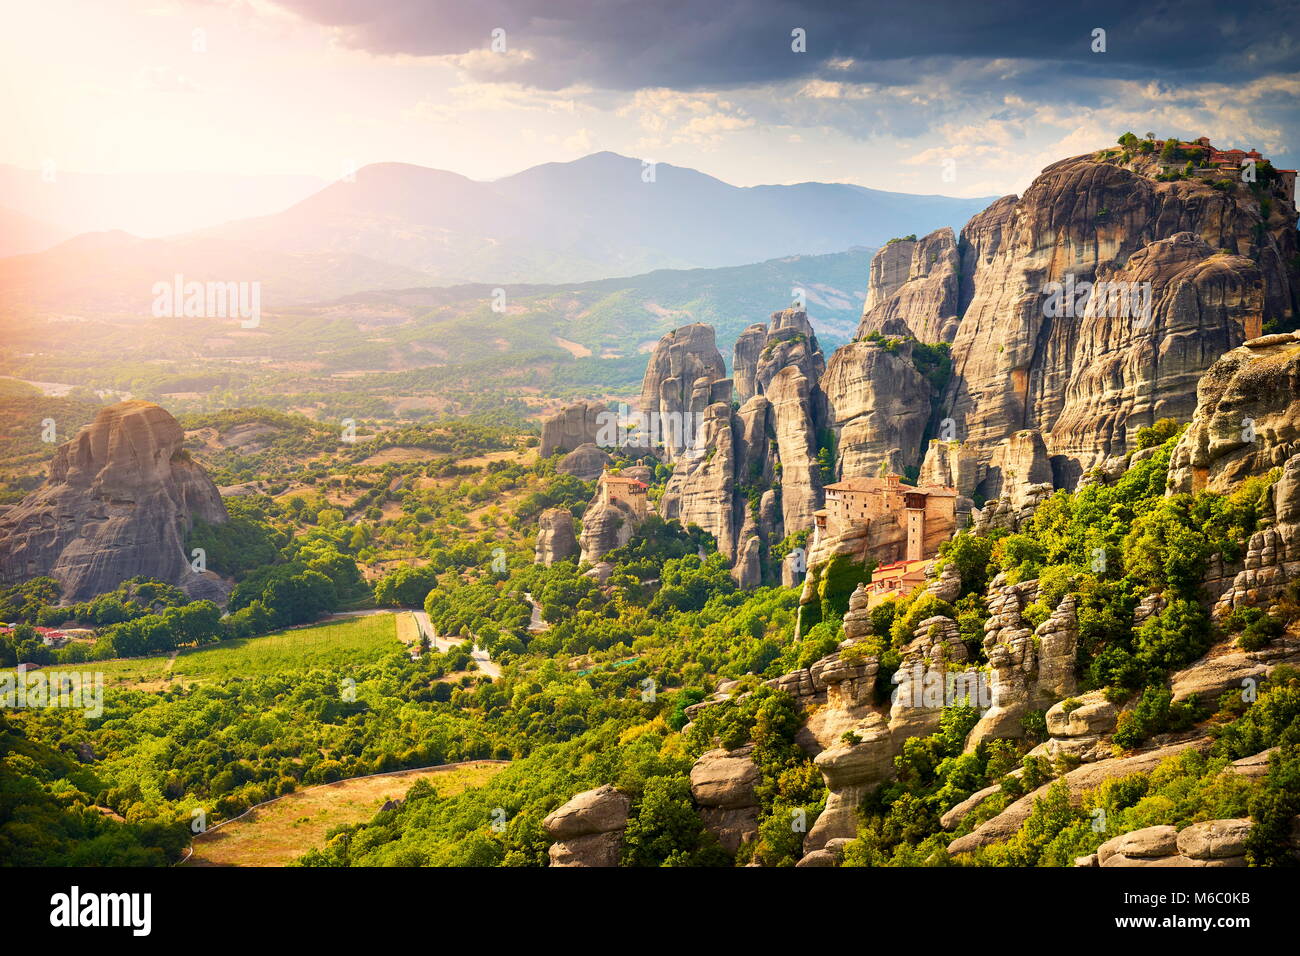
(631, 44)
(670, 117)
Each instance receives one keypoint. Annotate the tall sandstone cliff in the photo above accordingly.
(685, 376)
(925, 303)
(119, 500)
(1219, 266)
(728, 483)
(1220, 262)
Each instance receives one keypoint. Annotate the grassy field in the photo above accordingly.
(285, 829)
(348, 641)
(341, 642)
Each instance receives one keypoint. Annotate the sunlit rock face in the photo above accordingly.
(1217, 266)
(119, 500)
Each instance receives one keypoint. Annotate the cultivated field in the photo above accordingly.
(347, 641)
(281, 831)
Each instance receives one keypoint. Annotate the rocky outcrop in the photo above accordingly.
(979, 244)
(555, 537)
(950, 464)
(723, 784)
(890, 267)
(585, 462)
(851, 768)
(588, 830)
(1214, 843)
(726, 484)
(573, 426)
(1019, 463)
(838, 691)
(1136, 369)
(926, 302)
(1077, 783)
(1085, 219)
(1029, 668)
(685, 376)
(790, 340)
(119, 500)
(1003, 513)
(744, 362)
(606, 526)
(829, 855)
(877, 406)
(1247, 417)
(1212, 676)
(1271, 565)
(796, 445)
(1080, 728)
(702, 488)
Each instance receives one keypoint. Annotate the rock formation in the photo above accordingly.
(796, 444)
(1136, 369)
(877, 406)
(1214, 843)
(555, 537)
(950, 464)
(1247, 417)
(588, 830)
(1086, 219)
(1018, 464)
(790, 341)
(608, 523)
(119, 500)
(723, 784)
(1217, 673)
(572, 426)
(685, 375)
(890, 267)
(744, 362)
(752, 476)
(585, 462)
(926, 302)
(1029, 668)
(1077, 782)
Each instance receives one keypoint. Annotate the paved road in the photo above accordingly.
(538, 624)
(444, 644)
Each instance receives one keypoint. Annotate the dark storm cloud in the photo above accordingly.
(629, 44)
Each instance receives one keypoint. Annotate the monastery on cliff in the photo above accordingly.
(923, 518)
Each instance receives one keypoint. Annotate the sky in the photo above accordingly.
(960, 98)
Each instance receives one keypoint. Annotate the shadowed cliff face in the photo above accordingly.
(120, 498)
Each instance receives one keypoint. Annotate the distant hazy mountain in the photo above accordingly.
(145, 204)
(588, 219)
(114, 273)
(622, 316)
(21, 233)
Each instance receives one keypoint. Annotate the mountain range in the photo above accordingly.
(588, 219)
